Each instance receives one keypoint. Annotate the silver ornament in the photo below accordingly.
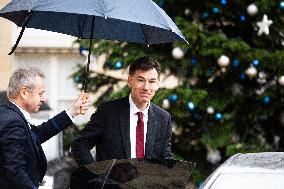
(166, 104)
(223, 61)
(186, 11)
(210, 110)
(251, 72)
(281, 80)
(252, 9)
(213, 156)
(177, 53)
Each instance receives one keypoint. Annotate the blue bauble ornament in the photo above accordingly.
(281, 5)
(173, 98)
(83, 51)
(193, 60)
(235, 63)
(77, 79)
(242, 18)
(209, 72)
(215, 10)
(190, 106)
(161, 3)
(118, 65)
(205, 15)
(224, 2)
(243, 76)
(109, 65)
(198, 184)
(218, 116)
(255, 62)
(266, 100)
(196, 116)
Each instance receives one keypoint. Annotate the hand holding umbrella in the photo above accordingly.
(80, 105)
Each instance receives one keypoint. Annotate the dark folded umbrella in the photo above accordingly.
(133, 173)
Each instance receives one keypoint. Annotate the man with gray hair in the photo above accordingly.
(22, 160)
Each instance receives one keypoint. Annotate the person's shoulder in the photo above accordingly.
(116, 102)
(158, 109)
(8, 114)
(5, 109)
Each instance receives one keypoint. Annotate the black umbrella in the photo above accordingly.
(139, 21)
(133, 173)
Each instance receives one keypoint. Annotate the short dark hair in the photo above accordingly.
(145, 63)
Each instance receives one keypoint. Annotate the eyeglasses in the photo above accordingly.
(153, 83)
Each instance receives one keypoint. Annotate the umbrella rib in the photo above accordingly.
(108, 172)
(144, 34)
(25, 20)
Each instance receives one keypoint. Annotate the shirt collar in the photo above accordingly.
(134, 109)
(26, 114)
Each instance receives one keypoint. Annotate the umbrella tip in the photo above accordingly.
(183, 39)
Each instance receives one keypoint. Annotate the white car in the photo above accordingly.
(249, 171)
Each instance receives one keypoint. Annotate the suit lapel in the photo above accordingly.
(151, 131)
(124, 122)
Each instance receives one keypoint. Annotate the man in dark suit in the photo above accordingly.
(115, 127)
(22, 160)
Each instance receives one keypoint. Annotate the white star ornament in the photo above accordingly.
(264, 25)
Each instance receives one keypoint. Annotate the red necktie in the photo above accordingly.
(140, 136)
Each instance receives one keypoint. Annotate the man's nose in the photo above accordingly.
(146, 85)
(42, 99)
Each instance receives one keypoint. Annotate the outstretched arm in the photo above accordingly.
(62, 120)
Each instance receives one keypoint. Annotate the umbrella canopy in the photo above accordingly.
(140, 21)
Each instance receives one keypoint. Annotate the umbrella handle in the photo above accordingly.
(85, 97)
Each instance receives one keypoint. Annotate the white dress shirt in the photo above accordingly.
(26, 114)
(133, 125)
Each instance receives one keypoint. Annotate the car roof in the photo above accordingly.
(263, 168)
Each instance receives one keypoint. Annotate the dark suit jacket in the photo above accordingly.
(22, 160)
(109, 130)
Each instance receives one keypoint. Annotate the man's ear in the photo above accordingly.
(24, 92)
(158, 84)
(129, 81)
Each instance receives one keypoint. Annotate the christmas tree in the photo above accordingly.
(229, 96)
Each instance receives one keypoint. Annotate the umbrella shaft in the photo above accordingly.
(89, 56)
